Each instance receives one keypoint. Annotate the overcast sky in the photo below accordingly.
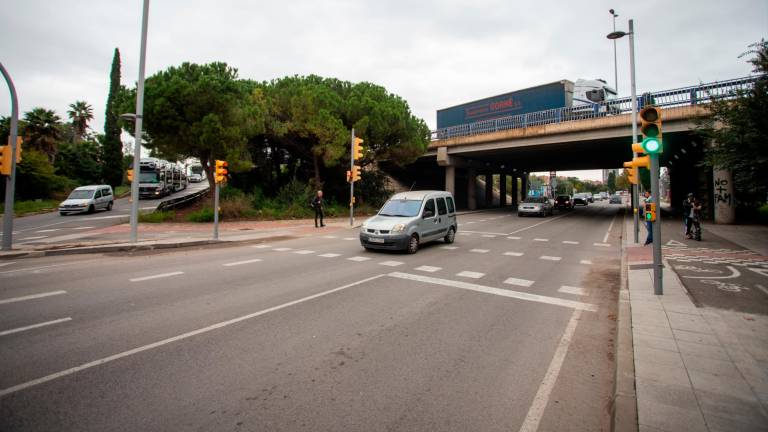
(432, 53)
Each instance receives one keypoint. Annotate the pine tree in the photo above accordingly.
(112, 170)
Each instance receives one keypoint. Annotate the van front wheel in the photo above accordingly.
(451, 236)
(413, 244)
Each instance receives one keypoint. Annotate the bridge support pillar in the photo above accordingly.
(488, 190)
(524, 187)
(502, 190)
(725, 208)
(471, 185)
(450, 179)
(514, 191)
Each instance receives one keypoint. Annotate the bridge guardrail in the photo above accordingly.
(182, 201)
(684, 96)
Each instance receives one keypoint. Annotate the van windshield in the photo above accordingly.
(81, 194)
(402, 208)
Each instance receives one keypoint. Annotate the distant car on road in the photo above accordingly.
(564, 202)
(597, 197)
(195, 178)
(580, 199)
(409, 219)
(540, 206)
(88, 199)
(615, 199)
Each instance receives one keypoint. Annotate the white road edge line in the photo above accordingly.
(32, 297)
(541, 400)
(157, 276)
(7, 263)
(236, 263)
(484, 232)
(607, 233)
(497, 291)
(34, 326)
(167, 341)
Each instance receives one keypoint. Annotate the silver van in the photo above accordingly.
(88, 199)
(409, 219)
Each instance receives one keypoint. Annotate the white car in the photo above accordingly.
(88, 199)
(195, 178)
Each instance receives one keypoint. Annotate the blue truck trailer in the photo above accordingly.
(544, 97)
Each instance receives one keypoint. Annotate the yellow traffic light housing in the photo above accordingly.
(650, 212)
(650, 128)
(357, 149)
(355, 173)
(129, 175)
(221, 171)
(5, 160)
(632, 174)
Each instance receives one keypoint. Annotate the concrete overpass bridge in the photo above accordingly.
(572, 139)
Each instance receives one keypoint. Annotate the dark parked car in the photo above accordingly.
(580, 200)
(615, 199)
(564, 202)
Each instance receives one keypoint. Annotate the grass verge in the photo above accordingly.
(21, 208)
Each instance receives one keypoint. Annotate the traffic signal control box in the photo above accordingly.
(650, 212)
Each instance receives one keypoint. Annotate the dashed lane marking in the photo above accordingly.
(541, 240)
(157, 276)
(282, 249)
(515, 254)
(488, 236)
(329, 255)
(391, 263)
(358, 258)
(429, 269)
(48, 230)
(329, 237)
(32, 297)
(601, 244)
(572, 290)
(479, 250)
(519, 282)
(550, 258)
(237, 263)
(585, 262)
(84, 228)
(449, 247)
(303, 252)
(348, 238)
(261, 246)
(34, 326)
(513, 238)
(570, 242)
(470, 274)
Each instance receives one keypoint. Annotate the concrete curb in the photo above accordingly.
(624, 408)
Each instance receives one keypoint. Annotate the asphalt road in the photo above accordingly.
(52, 227)
(510, 328)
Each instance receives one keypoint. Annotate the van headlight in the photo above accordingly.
(398, 228)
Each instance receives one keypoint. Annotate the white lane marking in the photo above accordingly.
(31, 297)
(570, 242)
(282, 249)
(47, 230)
(513, 253)
(41, 267)
(261, 246)
(479, 250)
(329, 255)
(550, 258)
(497, 291)
(7, 263)
(734, 274)
(585, 262)
(541, 240)
(762, 288)
(304, 252)
(601, 244)
(391, 263)
(760, 271)
(486, 233)
(467, 223)
(33, 238)
(470, 274)
(84, 228)
(429, 269)
(329, 237)
(572, 290)
(187, 335)
(237, 263)
(349, 238)
(537, 224)
(513, 238)
(541, 400)
(157, 276)
(34, 326)
(148, 208)
(106, 217)
(519, 282)
(449, 247)
(465, 233)
(358, 258)
(482, 220)
(607, 233)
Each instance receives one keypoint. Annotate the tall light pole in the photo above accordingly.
(615, 65)
(138, 134)
(617, 35)
(10, 180)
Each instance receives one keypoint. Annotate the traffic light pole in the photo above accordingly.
(10, 181)
(351, 180)
(658, 267)
(138, 134)
(216, 211)
(635, 187)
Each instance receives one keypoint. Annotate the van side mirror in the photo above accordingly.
(428, 214)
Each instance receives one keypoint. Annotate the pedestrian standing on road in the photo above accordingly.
(317, 205)
(687, 211)
(648, 224)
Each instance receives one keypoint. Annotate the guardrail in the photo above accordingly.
(183, 200)
(684, 96)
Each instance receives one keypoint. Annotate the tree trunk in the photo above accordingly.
(210, 176)
(317, 183)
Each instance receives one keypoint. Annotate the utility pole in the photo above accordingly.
(10, 180)
(351, 180)
(137, 132)
(635, 188)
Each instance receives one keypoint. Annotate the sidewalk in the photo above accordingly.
(696, 369)
(752, 237)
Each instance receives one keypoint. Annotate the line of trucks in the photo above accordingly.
(159, 178)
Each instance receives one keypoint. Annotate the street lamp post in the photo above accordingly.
(615, 65)
(10, 180)
(137, 134)
(613, 36)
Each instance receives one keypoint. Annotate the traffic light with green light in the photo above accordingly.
(650, 128)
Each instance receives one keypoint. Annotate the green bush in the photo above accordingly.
(203, 215)
(157, 216)
(35, 178)
(20, 208)
(236, 206)
(762, 213)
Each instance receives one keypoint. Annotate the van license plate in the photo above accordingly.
(376, 240)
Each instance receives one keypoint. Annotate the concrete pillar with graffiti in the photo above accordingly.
(724, 202)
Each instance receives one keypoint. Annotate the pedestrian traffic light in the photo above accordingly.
(357, 149)
(650, 128)
(650, 212)
(355, 174)
(5, 160)
(221, 171)
(129, 175)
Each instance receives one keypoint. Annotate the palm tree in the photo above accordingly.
(80, 113)
(43, 130)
